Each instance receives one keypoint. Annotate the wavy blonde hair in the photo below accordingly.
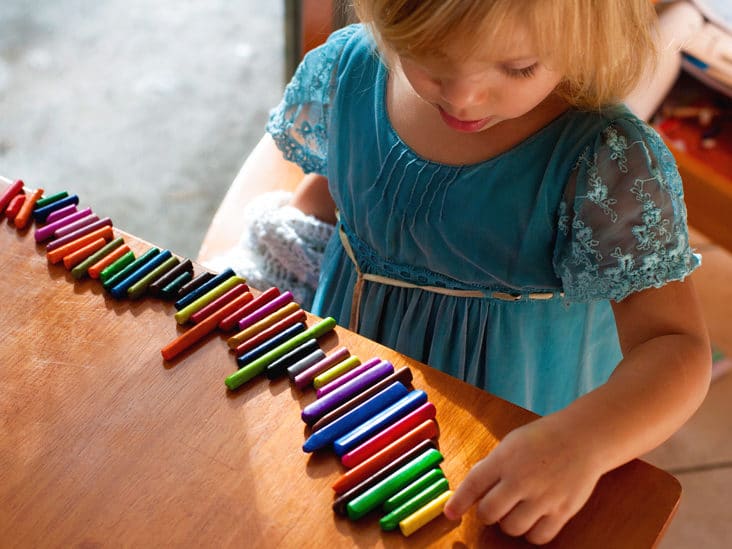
(601, 47)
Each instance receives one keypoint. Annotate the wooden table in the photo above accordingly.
(102, 443)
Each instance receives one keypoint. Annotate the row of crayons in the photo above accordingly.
(383, 432)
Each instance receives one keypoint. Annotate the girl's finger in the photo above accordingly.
(545, 529)
(477, 482)
(521, 518)
(497, 503)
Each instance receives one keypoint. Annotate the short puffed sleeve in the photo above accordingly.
(622, 220)
(299, 124)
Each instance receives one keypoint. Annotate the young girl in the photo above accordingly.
(503, 218)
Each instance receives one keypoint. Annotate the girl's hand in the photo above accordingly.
(532, 483)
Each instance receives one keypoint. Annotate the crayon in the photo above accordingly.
(76, 225)
(41, 213)
(230, 321)
(379, 422)
(45, 232)
(377, 494)
(403, 375)
(426, 514)
(412, 489)
(425, 431)
(16, 203)
(265, 310)
(238, 378)
(173, 288)
(196, 282)
(303, 379)
(60, 214)
(96, 270)
(279, 366)
(344, 424)
(263, 348)
(304, 363)
(120, 274)
(298, 315)
(203, 328)
(76, 257)
(344, 377)
(79, 233)
(313, 411)
(82, 268)
(203, 289)
(260, 326)
(23, 215)
(392, 520)
(15, 188)
(141, 286)
(219, 302)
(381, 440)
(46, 200)
(158, 284)
(334, 372)
(57, 254)
(119, 288)
(339, 505)
(205, 294)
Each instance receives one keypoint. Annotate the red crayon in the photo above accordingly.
(379, 441)
(10, 193)
(230, 321)
(424, 431)
(276, 328)
(14, 207)
(219, 302)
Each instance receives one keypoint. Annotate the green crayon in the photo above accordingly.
(392, 520)
(81, 269)
(140, 287)
(401, 497)
(117, 266)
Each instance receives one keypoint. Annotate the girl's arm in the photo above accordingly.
(264, 170)
(541, 474)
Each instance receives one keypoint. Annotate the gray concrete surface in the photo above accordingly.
(144, 108)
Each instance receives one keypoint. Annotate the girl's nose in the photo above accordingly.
(461, 93)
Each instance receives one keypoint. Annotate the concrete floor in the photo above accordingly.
(146, 110)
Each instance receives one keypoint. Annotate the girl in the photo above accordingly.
(503, 218)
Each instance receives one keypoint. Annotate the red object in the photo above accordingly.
(276, 328)
(14, 206)
(219, 302)
(424, 431)
(10, 193)
(96, 269)
(230, 321)
(381, 440)
(202, 329)
(23, 215)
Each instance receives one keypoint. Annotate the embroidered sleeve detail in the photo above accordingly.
(622, 221)
(299, 124)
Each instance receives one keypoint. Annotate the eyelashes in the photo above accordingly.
(526, 72)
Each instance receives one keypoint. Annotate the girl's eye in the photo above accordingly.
(526, 72)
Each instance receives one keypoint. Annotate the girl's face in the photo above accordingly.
(475, 94)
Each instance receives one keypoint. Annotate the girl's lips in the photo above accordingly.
(463, 125)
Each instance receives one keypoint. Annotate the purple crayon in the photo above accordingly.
(78, 233)
(345, 378)
(265, 310)
(47, 230)
(321, 406)
(61, 213)
(305, 378)
(76, 225)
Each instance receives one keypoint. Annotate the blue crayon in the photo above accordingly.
(190, 297)
(271, 343)
(40, 214)
(379, 422)
(350, 420)
(119, 290)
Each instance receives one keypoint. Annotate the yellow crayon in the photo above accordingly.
(422, 516)
(261, 325)
(336, 371)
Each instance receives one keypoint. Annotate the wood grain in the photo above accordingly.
(102, 443)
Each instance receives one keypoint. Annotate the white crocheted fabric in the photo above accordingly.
(281, 246)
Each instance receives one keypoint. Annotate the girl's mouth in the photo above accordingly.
(464, 125)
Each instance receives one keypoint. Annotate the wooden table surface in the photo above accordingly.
(103, 443)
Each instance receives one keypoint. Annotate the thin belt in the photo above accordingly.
(362, 277)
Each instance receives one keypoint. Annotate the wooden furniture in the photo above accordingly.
(103, 443)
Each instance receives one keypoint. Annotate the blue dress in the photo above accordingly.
(541, 237)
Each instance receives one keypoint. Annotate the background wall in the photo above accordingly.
(145, 109)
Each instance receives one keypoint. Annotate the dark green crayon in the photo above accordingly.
(392, 520)
(129, 269)
(117, 266)
(170, 291)
(162, 281)
(384, 489)
(196, 282)
(140, 287)
(46, 200)
(80, 271)
(403, 496)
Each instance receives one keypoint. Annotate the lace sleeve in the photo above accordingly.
(299, 124)
(622, 222)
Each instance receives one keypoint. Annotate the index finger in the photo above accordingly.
(481, 478)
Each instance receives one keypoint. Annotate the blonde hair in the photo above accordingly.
(601, 47)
